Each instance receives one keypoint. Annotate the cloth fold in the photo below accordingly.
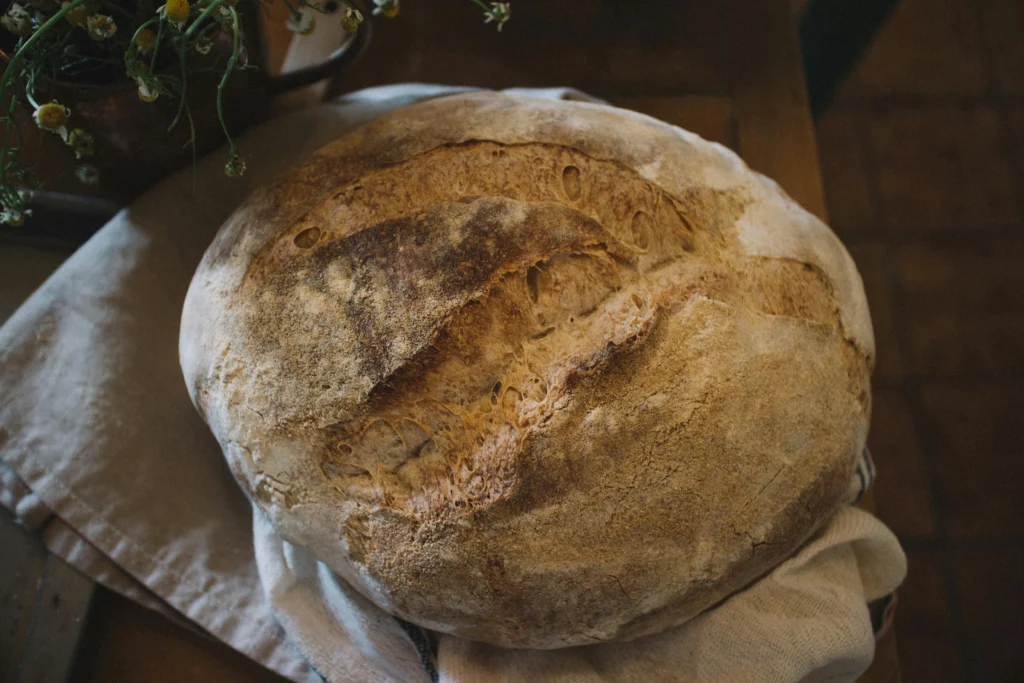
(102, 452)
(804, 622)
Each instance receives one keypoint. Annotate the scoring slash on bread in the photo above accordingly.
(533, 372)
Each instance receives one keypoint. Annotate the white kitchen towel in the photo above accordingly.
(807, 621)
(103, 453)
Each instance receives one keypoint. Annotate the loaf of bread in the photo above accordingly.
(533, 372)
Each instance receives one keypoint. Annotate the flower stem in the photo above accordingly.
(199, 20)
(131, 43)
(183, 51)
(30, 88)
(12, 70)
(156, 47)
(224, 81)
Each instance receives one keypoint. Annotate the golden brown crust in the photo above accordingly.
(541, 374)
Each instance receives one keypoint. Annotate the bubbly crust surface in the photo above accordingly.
(532, 372)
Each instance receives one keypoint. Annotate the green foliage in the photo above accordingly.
(158, 45)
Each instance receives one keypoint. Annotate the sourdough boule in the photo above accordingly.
(532, 372)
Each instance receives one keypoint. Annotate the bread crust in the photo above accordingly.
(533, 372)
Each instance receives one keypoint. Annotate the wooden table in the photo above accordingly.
(728, 70)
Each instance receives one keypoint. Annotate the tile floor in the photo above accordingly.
(923, 161)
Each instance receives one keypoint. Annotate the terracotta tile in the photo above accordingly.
(943, 169)
(1002, 28)
(991, 597)
(963, 308)
(844, 170)
(924, 634)
(928, 47)
(977, 459)
(871, 262)
(902, 497)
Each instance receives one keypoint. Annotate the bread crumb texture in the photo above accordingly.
(536, 373)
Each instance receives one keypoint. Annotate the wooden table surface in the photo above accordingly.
(728, 70)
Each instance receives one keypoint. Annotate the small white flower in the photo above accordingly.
(500, 12)
(53, 117)
(225, 18)
(149, 88)
(79, 15)
(204, 45)
(14, 216)
(87, 174)
(145, 41)
(351, 20)
(176, 12)
(302, 23)
(389, 8)
(100, 26)
(82, 143)
(235, 166)
(18, 21)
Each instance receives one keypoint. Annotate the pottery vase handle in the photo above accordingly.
(332, 67)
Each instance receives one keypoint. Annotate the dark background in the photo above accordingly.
(922, 155)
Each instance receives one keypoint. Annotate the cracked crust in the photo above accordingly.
(536, 373)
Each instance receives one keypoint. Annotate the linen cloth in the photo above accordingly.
(103, 453)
